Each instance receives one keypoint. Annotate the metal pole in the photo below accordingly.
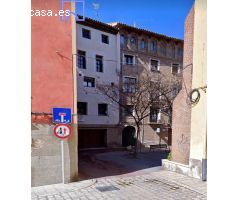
(62, 150)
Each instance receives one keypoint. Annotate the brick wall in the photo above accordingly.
(181, 107)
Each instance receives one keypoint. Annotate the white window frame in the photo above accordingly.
(94, 82)
(96, 63)
(158, 66)
(134, 58)
(179, 68)
(158, 116)
(129, 77)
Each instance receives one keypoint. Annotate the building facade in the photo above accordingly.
(53, 85)
(144, 52)
(98, 62)
(189, 150)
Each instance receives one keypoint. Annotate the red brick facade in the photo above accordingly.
(181, 107)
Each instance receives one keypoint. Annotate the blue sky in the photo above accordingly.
(161, 16)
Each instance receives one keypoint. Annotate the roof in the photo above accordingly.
(98, 25)
(115, 27)
(119, 26)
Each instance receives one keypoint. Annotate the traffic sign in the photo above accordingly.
(62, 131)
(62, 115)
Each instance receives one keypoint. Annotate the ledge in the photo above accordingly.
(176, 167)
(191, 170)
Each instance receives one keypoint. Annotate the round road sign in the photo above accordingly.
(62, 131)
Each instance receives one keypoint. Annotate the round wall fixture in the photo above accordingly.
(195, 96)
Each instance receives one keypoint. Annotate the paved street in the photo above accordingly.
(96, 164)
(154, 185)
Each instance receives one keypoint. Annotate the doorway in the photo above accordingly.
(128, 138)
(92, 138)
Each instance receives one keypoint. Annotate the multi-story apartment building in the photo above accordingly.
(145, 52)
(98, 62)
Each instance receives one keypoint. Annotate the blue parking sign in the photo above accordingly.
(62, 115)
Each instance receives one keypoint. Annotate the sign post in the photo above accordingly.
(62, 131)
(62, 150)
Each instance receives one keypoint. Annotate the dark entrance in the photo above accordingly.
(128, 136)
(92, 138)
(170, 137)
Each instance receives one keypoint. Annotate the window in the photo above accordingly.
(86, 33)
(129, 84)
(179, 52)
(142, 44)
(172, 51)
(155, 66)
(88, 82)
(163, 49)
(82, 108)
(153, 46)
(154, 114)
(128, 110)
(81, 59)
(133, 40)
(102, 109)
(123, 40)
(166, 110)
(128, 59)
(105, 39)
(175, 68)
(99, 63)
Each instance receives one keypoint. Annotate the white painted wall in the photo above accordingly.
(111, 68)
(199, 79)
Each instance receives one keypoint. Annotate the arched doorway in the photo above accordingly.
(128, 136)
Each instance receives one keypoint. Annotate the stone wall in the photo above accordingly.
(46, 159)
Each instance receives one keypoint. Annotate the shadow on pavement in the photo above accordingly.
(99, 163)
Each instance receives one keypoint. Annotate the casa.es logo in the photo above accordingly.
(65, 10)
(79, 9)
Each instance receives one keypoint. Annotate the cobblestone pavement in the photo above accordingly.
(157, 185)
